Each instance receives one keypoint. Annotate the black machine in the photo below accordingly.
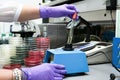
(23, 33)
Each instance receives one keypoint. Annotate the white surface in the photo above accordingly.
(98, 15)
(90, 5)
(117, 33)
(97, 72)
(86, 5)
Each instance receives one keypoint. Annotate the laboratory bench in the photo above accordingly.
(96, 72)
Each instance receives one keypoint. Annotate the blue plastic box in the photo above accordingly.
(75, 61)
(116, 52)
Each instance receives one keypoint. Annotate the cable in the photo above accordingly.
(95, 37)
(112, 19)
(99, 39)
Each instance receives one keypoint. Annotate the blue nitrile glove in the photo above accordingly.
(57, 11)
(45, 71)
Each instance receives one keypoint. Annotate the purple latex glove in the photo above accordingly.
(57, 11)
(45, 71)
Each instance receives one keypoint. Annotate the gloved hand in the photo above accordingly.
(45, 71)
(57, 11)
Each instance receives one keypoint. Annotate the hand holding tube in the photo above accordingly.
(45, 71)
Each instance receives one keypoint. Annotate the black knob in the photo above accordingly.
(68, 47)
(112, 76)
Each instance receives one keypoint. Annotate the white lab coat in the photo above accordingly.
(10, 11)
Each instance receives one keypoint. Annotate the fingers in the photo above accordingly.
(58, 66)
(58, 75)
(58, 72)
(61, 71)
(71, 7)
(58, 78)
(51, 76)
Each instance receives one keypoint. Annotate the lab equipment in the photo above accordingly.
(45, 72)
(75, 22)
(74, 60)
(24, 33)
(68, 46)
(70, 36)
(84, 46)
(96, 51)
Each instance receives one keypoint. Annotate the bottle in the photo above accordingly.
(4, 39)
(0, 39)
(44, 31)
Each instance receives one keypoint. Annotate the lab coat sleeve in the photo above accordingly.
(10, 11)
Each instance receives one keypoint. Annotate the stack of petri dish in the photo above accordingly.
(35, 58)
(37, 53)
(17, 60)
(11, 66)
(43, 43)
(16, 41)
(3, 62)
(32, 61)
(6, 51)
(34, 53)
(31, 42)
(21, 53)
